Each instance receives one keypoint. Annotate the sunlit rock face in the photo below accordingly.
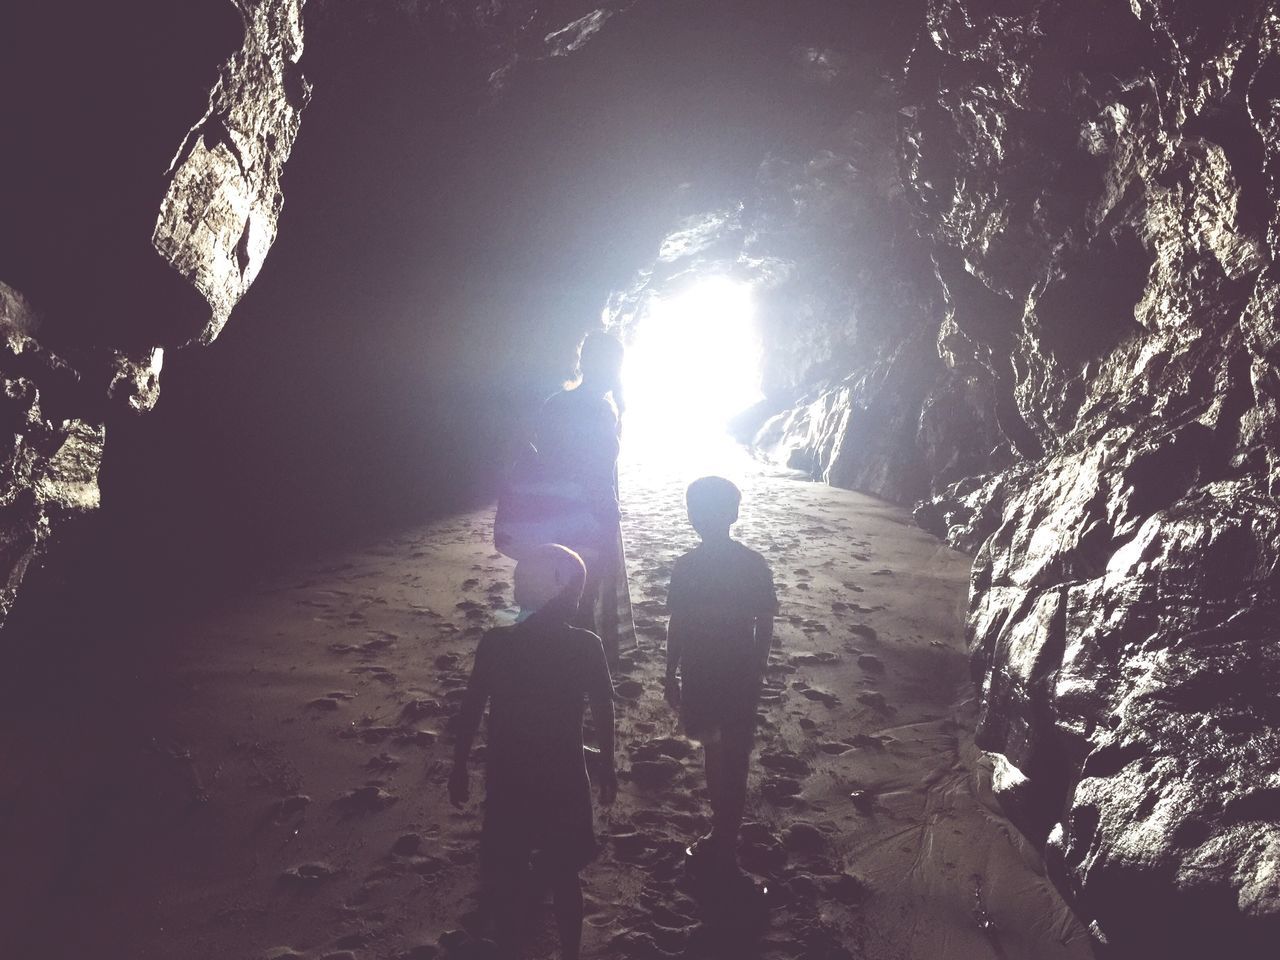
(1106, 171)
(1030, 286)
(111, 258)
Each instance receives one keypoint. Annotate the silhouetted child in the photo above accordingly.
(535, 676)
(721, 607)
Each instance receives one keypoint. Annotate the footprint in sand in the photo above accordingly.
(330, 701)
(653, 774)
(367, 799)
(472, 610)
(382, 762)
(781, 791)
(824, 697)
(384, 641)
(805, 839)
(814, 658)
(306, 875)
(787, 763)
(375, 672)
(288, 806)
(629, 689)
(871, 663)
(876, 701)
(420, 708)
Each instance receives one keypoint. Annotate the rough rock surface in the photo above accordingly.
(218, 217)
(1081, 387)
(215, 223)
(1123, 609)
(49, 469)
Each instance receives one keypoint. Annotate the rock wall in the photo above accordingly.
(109, 298)
(1097, 186)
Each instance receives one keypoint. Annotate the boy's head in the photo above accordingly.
(549, 573)
(713, 506)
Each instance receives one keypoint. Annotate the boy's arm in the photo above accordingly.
(675, 649)
(600, 698)
(468, 723)
(675, 636)
(764, 639)
(764, 618)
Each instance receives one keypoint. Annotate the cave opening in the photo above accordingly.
(693, 363)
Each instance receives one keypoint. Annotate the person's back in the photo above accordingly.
(578, 436)
(539, 674)
(719, 590)
(721, 606)
(535, 676)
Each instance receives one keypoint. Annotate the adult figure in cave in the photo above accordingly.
(577, 436)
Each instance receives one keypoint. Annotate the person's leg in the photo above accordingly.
(713, 749)
(504, 870)
(503, 888)
(586, 618)
(612, 577)
(735, 764)
(566, 893)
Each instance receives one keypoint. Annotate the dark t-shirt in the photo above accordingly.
(718, 592)
(537, 675)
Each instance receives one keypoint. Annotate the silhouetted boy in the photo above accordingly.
(721, 607)
(535, 676)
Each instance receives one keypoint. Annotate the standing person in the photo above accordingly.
(577, 440)
(721, 605)
(535, 676)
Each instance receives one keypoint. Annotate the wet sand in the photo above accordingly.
(268, 780)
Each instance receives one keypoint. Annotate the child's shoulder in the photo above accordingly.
(723, 557)
(585, 638)
(747, 560)
(497, 636)
(569, 635)
(747, 552)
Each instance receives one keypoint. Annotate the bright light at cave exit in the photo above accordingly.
(692, 365)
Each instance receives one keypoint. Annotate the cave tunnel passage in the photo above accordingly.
(693, 362)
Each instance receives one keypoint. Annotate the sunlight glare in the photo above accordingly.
(694, 363)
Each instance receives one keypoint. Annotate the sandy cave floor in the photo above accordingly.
(268, 781)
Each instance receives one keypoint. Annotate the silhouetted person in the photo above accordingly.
(578, 442)
(537, 812)
(721, 605)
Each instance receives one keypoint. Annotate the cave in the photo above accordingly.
(972, 299)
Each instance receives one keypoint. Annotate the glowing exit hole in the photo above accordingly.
(693, 364)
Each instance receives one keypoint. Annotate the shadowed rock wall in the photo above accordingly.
(116, 258)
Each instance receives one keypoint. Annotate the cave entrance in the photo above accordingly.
(693, 363)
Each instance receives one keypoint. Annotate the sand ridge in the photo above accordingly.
(283, 792)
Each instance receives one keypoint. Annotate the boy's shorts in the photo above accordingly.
(709, 707)
(559, 832)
